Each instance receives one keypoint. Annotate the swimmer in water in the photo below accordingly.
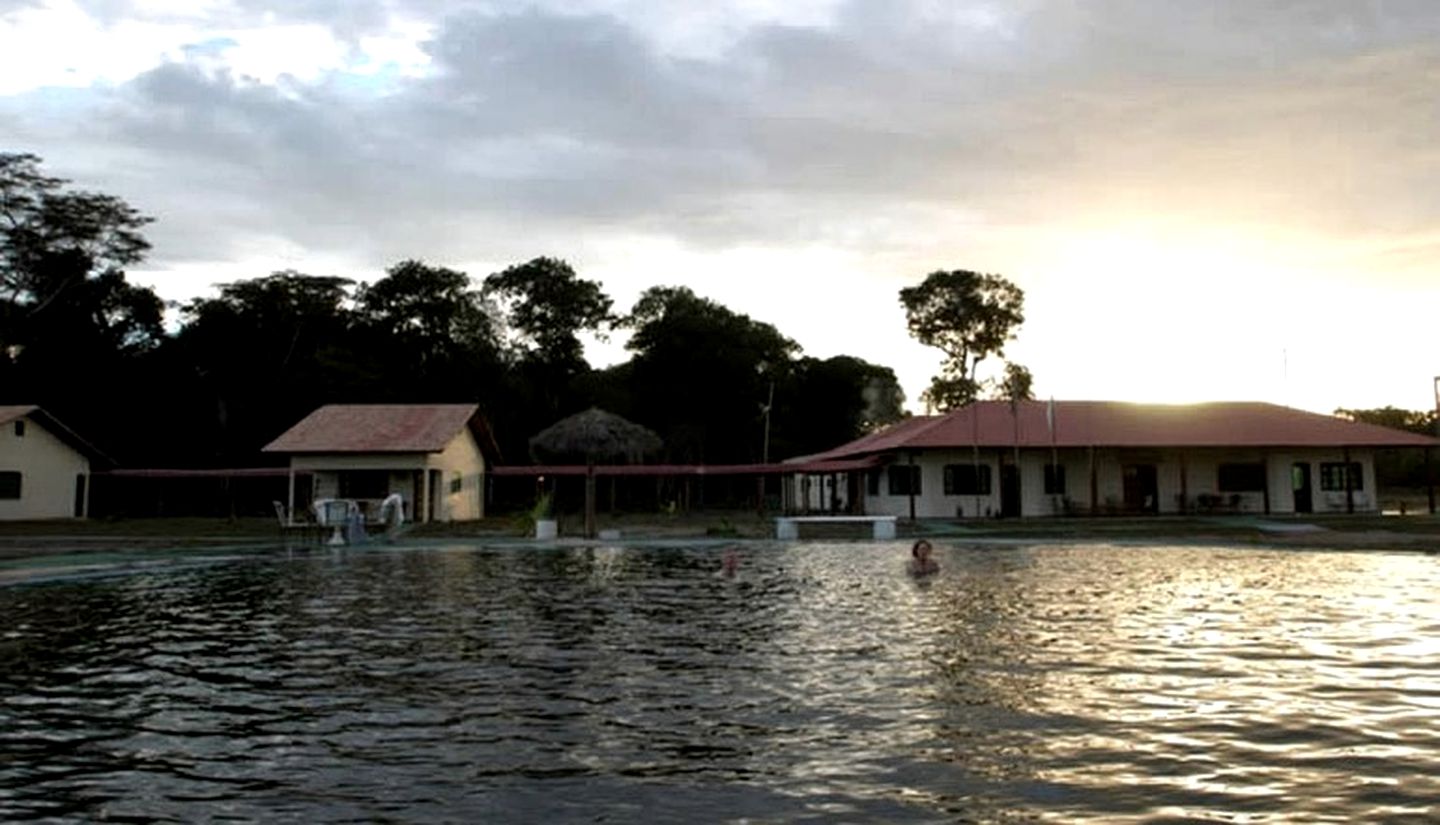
(729, 565)
(920, 562)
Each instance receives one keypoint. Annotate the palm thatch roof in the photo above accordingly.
(595, 434)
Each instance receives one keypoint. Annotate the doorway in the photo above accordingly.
(1300, 487)
(80, 495)
(1009, 491)
(1141, 488)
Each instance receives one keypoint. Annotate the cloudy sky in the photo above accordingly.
(1210, 200)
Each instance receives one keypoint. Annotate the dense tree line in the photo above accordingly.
(245, 364)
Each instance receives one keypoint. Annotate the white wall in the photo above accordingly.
(460, 459)
(1199, 476)
(48, 468)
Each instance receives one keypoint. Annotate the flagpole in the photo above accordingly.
(1054, 452)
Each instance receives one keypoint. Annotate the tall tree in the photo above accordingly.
(549, 306)
(829, 402)
(297, 354)
(1017, 385)
(71, 327)
(428, 333)
(969, 316)
(701, 374)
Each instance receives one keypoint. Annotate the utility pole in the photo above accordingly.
(765, 444)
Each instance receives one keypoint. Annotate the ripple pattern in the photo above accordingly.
(1075, 683)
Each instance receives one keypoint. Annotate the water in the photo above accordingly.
(1073, 683)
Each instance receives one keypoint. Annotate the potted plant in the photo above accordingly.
(546, 527)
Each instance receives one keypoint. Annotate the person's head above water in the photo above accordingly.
(920, 563)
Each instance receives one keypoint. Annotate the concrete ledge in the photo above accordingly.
(787, 528)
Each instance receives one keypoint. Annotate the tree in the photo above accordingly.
(829, 402)
(967, 315)
(1017, 385)
(297, 354)
(428, 333)
(1420, 423)
(549, 305)
(701, 374)
(71, 328)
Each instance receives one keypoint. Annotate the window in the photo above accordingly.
(20, 428)
(967, 480)
(904, 479)
(1240, 478)
(872, 482)
(457, 482)
(364, 483)
(9, 484)
(1054, 479)
(1332, 476)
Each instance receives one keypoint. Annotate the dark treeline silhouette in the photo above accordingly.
(244, 365)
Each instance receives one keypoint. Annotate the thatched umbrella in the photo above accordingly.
(594, 434)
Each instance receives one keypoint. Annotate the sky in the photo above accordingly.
(1228, 200)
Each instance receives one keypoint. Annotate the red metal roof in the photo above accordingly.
(185, 472)
(687, 469)
(376, 428)
(1121, 424)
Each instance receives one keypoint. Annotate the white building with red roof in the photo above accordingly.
(433, 455)
(44, 466)
(1042, 458)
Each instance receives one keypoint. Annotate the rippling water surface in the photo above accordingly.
(611, 684)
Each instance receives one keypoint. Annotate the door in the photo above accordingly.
(437, 497)
(1300, 487)
(80, 495)
(1009, 491)
(1142, 490)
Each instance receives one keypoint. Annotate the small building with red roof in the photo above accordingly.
(432, 455)
(1039, 458)
(44, 466)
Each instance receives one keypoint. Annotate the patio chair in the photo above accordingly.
(290, 526)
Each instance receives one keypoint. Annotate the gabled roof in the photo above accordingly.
(381, 428)
(57, 429)
(1121, 424)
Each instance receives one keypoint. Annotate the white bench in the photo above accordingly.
(788, 527)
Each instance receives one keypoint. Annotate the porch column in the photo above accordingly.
(290, 495)
(1265, 463)
(424, 508)
(1349, 484)
(1430, 480)
(910, 485)
(1185, 487)
(1094, 483)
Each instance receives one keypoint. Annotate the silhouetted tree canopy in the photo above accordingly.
(244, 364)
(969, 317)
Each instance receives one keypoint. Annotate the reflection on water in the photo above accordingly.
(1074, 683)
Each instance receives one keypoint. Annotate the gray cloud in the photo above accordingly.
(538, 127)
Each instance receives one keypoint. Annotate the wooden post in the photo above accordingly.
(1430, 479)
(1094, 483)
(1265, 463)
(910, 485)
(1349, 484)
(590, 499)
(290, 495)
(1185, 486)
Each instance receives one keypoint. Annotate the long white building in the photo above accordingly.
(1042, 458)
